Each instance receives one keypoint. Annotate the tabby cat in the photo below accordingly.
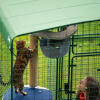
(22, 58)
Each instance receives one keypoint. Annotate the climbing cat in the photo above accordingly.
(22, 58)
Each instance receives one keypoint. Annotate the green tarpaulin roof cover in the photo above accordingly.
(18, 17)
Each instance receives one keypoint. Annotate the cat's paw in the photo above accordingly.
(25, 93)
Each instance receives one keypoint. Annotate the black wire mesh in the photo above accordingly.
(84, 55)
(87, 38)
(61, 75)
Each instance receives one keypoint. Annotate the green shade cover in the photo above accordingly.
(18, 17)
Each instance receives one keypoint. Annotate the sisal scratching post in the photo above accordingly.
(33, 63)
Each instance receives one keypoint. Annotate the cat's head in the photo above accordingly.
(20, 44)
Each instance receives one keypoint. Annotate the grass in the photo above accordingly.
(87, 65)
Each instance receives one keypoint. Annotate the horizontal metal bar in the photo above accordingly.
(86, 34)
(85, 55)
(86, 37)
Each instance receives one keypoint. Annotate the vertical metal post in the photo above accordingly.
(59, 72)
(12, 70)
(71, 78)
(56, 78)
(69, 72)
(60, 75)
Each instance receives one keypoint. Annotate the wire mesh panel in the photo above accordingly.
(49, 69)
(51, 73)
(83, 60)
(87, 65)
(87, 38)
(84, 55)
(5, 66)
(62, 79)
(47, 73)
(59, 75)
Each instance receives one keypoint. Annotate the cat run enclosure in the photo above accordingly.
(61, 75)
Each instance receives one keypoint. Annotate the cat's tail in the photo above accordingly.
(3, 83)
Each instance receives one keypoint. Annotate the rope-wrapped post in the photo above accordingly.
(33, 63)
